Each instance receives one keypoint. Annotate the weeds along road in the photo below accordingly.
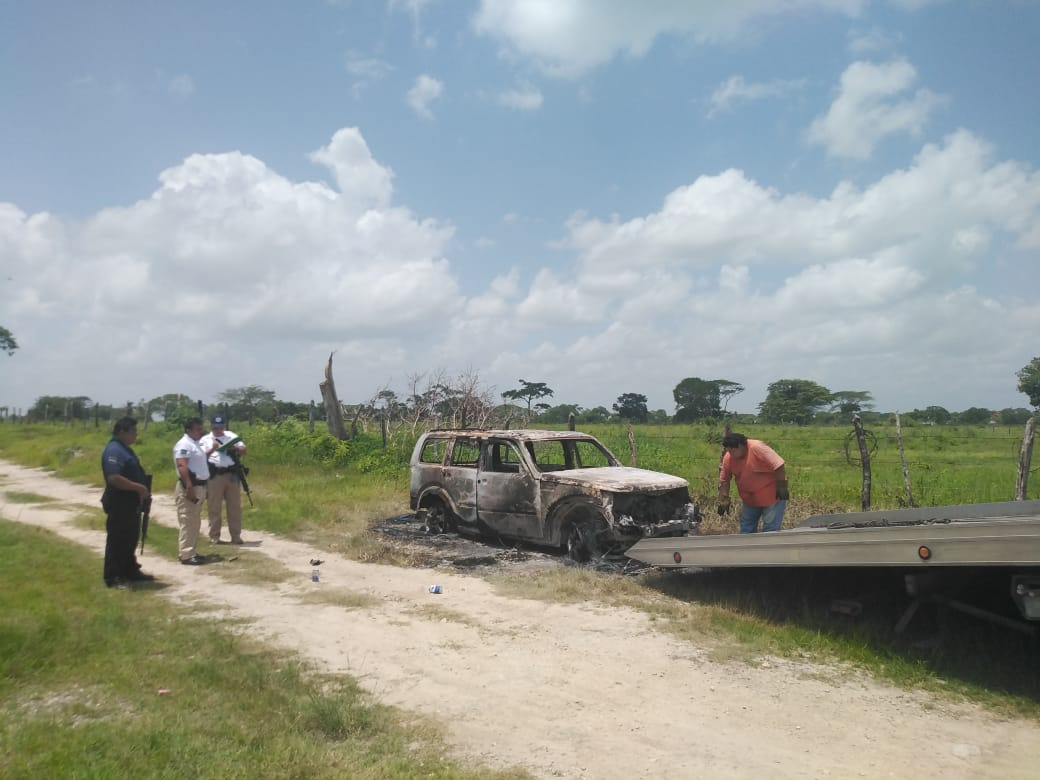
(573, 691)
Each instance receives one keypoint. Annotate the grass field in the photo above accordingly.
(309, 486)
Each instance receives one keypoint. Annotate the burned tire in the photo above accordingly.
(439, 519)
(584, 540)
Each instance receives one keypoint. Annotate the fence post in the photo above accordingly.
(311, 416)
(864, 456)
(570, 421)
(1025, 457)
(632, 446)
(902, 458)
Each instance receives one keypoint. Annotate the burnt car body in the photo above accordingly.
(550, 488)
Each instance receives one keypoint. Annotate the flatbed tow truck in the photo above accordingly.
(937, 549)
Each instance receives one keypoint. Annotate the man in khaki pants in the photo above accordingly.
(224, 486)
(189, 458)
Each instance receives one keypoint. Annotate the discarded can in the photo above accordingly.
(435, 589)
(314, 574)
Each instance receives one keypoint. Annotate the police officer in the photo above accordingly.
(125, 491)
(189, 458)
(223, 486)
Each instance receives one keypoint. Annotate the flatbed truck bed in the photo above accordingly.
(1003, 536)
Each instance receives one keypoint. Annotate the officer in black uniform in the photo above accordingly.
(125, 489)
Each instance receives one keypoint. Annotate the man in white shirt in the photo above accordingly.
(224, 486)
(189, 458)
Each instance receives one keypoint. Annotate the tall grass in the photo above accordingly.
(303, 479)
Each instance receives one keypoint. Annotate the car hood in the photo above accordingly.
(617, 479)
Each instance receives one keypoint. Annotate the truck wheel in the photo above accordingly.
(439, 519)
(583, 540)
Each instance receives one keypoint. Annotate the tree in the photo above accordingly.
(528, 391)
(597, 414)
(851, 401)
(1014, 416)
(1029, 381)
(936, 415)
(172, 407)
(696, 399)
(7, 342)
(703, 399)
(793, 401)
(974, 415)
(560, 413)
(727, 390)
(631, 406)
(59, 407)
(249, 403)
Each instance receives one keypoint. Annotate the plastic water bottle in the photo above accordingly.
(314, 574)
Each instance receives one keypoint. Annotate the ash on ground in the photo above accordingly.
(410, 534)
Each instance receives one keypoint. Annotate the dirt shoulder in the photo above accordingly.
(575, 691)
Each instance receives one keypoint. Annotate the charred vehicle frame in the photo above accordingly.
(550, 488)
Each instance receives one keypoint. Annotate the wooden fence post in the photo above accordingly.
(726, 431)
(864, 456)
(632, 446)
(902, 457)
(1025, 457)
(311, 417)
(570, 421)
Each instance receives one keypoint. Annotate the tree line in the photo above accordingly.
(440, 400)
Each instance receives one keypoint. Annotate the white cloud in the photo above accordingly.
(226, 256)
(425, 90)
(523, 99)
(366, 71)
(570, 38)
(955, 189)
(869, 108)
(361, 179)
(230, 263)
(874, 39)
(736, 90)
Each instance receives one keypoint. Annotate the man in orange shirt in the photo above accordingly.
(761, 482)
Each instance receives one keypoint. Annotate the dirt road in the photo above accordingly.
(573, 691)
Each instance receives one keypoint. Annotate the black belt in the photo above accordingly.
(218, 470)
(196, 481)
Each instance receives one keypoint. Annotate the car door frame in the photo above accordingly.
(508, 502)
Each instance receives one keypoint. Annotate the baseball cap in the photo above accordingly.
(217, 421)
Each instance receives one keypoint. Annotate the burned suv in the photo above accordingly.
(552, 488)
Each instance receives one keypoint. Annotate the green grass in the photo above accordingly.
(18, 497)
(308, 487)
(82, 668)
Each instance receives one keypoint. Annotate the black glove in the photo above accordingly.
(782, 493)
(724, 506)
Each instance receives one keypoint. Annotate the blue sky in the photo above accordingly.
(604, 196)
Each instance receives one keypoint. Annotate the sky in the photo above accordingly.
(601, 195)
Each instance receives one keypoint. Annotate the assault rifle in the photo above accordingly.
(144, 508)
(237, 468)
(240, 471)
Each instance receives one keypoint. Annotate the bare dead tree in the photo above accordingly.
(333, 410)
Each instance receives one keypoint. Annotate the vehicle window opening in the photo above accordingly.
(504, 458)
(433, 451)
(465, 453)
